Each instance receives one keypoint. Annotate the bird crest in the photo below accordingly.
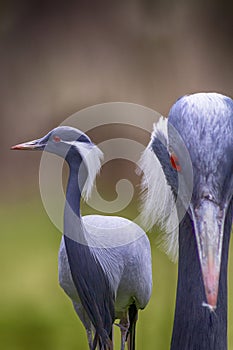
(92, 157)
(157, 199)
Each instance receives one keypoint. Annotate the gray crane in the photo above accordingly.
(202, 125)
(104, 261)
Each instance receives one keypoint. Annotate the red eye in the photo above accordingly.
(175, 162)
(56, 139)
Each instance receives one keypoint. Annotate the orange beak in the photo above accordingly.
(31, 145)
(208, 224)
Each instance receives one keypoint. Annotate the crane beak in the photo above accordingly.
(31, 145)
(209, 224)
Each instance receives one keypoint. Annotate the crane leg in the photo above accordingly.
(124, 327)
(112, 337)
(133, 316)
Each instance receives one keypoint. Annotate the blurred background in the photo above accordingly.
(55, 59)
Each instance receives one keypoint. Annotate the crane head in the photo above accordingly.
(75, 147)
(194, 147)
(59, 141)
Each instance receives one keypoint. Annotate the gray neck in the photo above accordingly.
(195, 327)
(73, 226)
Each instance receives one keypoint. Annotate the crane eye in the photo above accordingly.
(175, 162)
(56, 138)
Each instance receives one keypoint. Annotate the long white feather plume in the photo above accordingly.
(158, 202)
(92, 157)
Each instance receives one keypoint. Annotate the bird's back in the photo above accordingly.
(110, 231)
(125, 256)
(123, 251)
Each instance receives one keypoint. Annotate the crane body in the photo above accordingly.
(196, 141)
(118, 264)
(104, 262)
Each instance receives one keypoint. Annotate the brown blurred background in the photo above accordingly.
(59, 57)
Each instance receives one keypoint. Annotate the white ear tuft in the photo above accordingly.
(92, 157)
(160, 131)
(158, 202)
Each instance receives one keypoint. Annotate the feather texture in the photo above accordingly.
(92, 157)
(157, 199)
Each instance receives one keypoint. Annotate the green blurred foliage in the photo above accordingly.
(35, 312)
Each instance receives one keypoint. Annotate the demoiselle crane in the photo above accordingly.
(194, 143)
(104, 261)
